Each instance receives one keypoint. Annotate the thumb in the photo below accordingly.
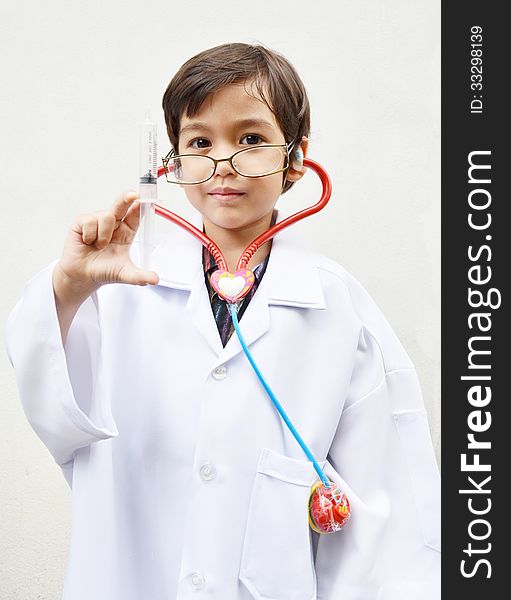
(135, 276)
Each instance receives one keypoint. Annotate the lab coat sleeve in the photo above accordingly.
(382, 455)
(57, 385)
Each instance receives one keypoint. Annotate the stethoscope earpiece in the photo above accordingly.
(298, 160)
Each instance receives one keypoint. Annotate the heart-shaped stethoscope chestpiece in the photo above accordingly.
(232, 287)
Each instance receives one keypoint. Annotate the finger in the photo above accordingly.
(130, 274)
(88, 227)
(132, 218)
(106, 225)
(121, 206)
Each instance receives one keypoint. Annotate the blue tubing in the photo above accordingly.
(233, 309)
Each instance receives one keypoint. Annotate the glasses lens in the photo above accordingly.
(189, 169)
(259, 161)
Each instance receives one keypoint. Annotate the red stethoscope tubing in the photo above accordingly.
(251, 249)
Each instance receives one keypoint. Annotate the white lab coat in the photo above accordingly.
(185, 481)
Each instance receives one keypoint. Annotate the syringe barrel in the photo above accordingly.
(148, 192)
(147, 189)
(146, 233)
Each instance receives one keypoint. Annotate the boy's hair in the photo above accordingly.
(275, 79)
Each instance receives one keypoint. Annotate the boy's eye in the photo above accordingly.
(199, 143)
(252, 139)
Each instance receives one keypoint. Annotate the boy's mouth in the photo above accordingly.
(225, 193)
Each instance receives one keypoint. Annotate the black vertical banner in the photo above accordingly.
(476, 258)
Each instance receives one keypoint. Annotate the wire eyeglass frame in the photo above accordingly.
(171, 156)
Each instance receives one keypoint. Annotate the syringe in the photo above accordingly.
(147, 188)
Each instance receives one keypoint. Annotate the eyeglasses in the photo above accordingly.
(258, 161)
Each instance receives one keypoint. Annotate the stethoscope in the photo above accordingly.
(328, 506)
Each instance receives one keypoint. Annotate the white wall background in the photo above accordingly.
(76, 80)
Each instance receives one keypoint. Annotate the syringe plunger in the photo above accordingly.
(148, 159)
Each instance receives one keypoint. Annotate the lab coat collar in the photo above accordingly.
(291, 279)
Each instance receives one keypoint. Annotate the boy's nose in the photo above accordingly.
(224, 168)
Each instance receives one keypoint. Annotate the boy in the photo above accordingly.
(185, 480)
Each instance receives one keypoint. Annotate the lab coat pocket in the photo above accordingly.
(413, 430)
(277, 560)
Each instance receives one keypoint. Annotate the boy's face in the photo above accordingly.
(228, 121)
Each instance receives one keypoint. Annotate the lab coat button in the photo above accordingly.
(220, 372)
(207, 472)
(197, 580)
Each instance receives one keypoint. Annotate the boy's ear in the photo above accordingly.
(296, 170)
